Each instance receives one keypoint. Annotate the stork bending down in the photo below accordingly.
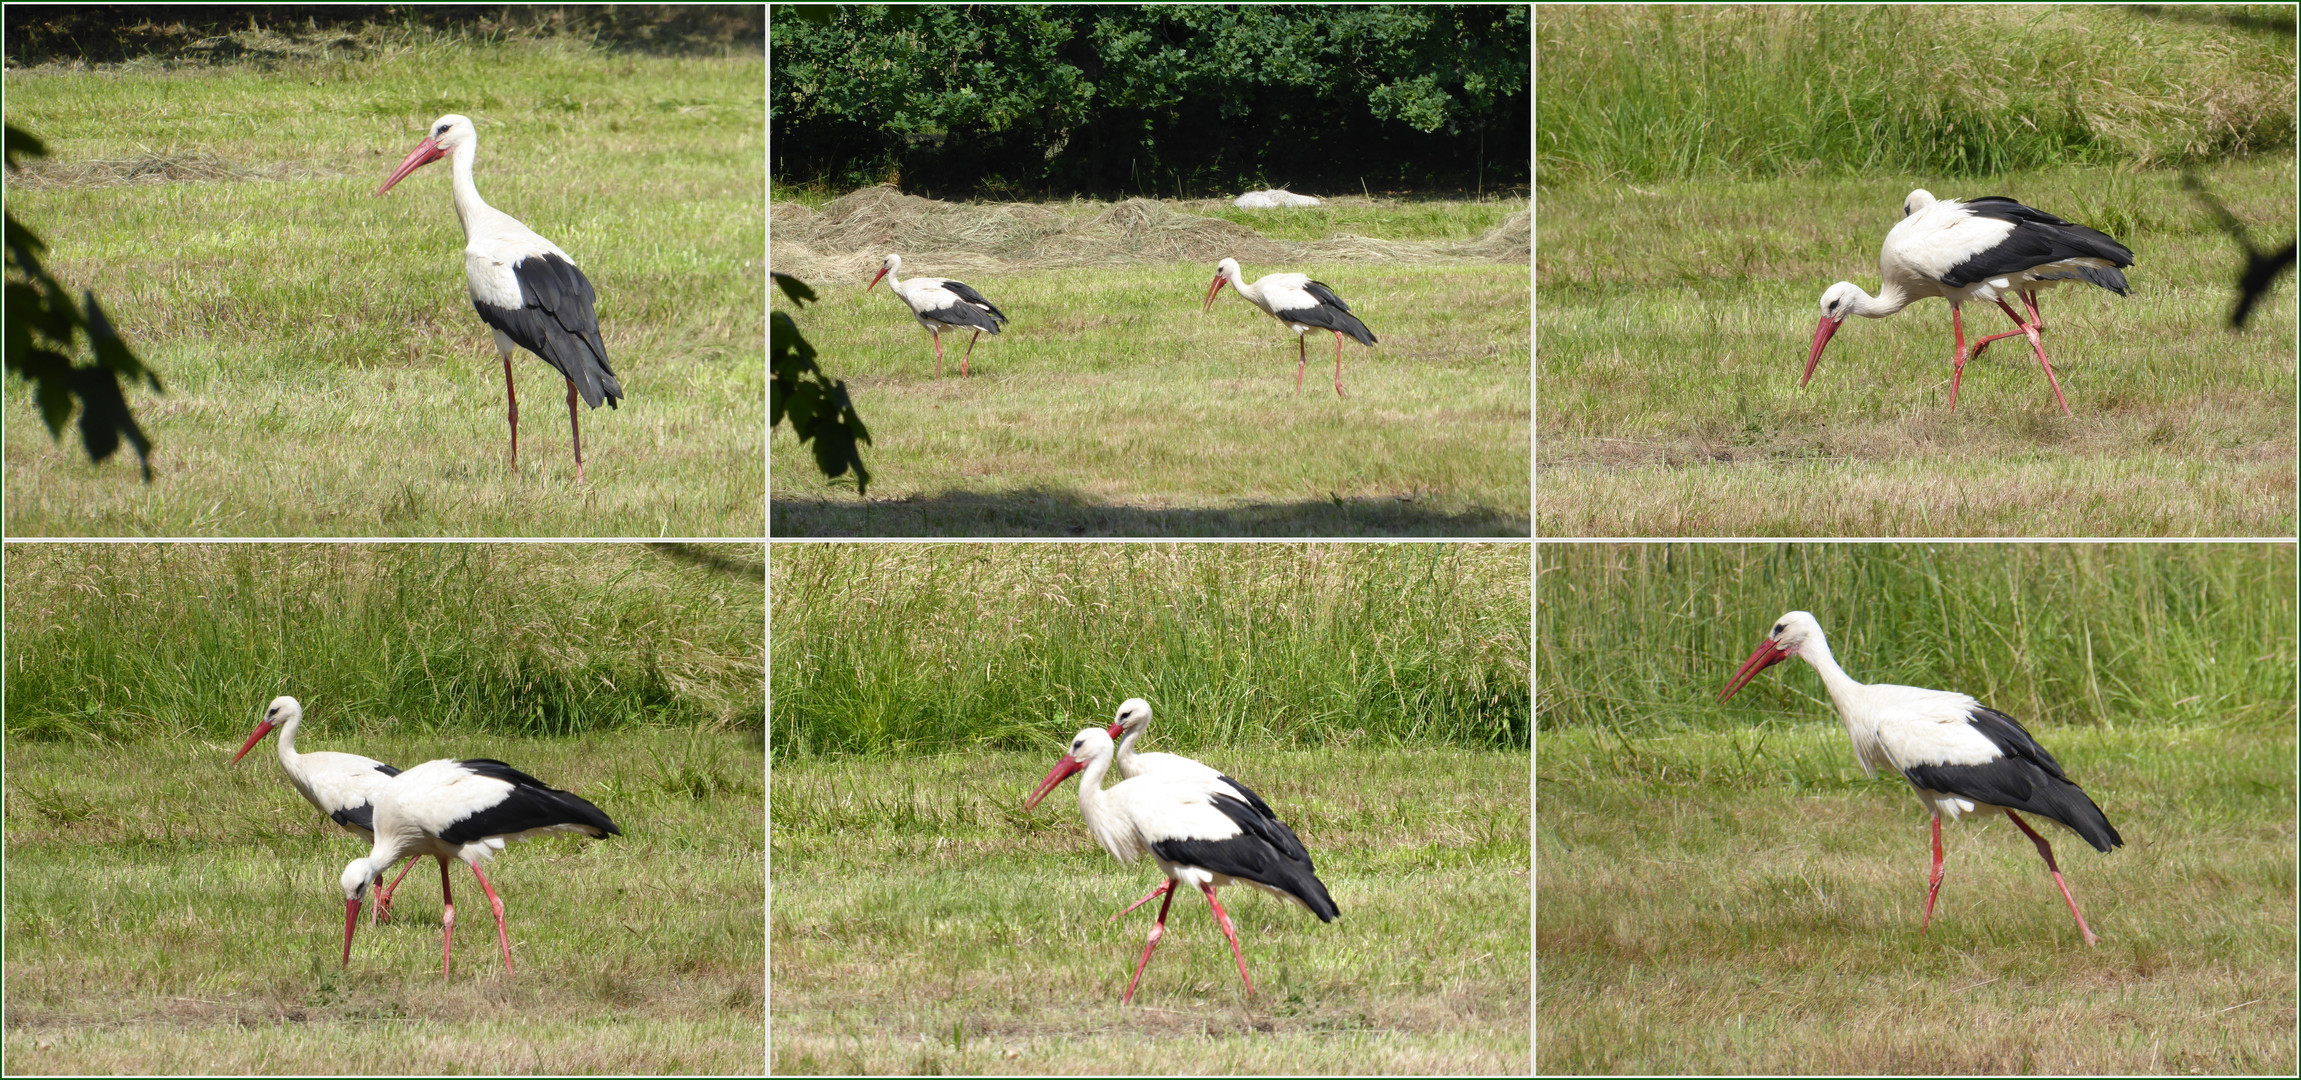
(1988, 249)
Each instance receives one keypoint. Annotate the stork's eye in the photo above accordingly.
(1778, 629)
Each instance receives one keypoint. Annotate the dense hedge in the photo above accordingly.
(951, 100)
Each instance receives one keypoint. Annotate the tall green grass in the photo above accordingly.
(126, 642)
(1640, 638)
(900, 649)
(1659, 91)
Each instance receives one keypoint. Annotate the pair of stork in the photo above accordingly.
(1297, 302)
(448, 809)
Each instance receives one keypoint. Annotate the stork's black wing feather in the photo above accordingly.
(556, 321)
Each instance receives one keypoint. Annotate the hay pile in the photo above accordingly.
(850, 236)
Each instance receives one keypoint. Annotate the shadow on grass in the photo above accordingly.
(1040, 511)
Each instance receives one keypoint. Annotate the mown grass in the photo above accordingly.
(925, 924)
(1111, 406)
(325, 373)
(1674, 320)
(169, 914)
(1722, 891)
(118, 643)
(892, 650)
(1651, 92)
(1747, 903)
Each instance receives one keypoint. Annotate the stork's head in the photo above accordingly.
(357, 874)
(1791, 633)
(1838, 303)
(281, 712)
(1226, 270)
(888, 265)
(1918, 200)
(1088, 746)
(448, 134)
(1132, 716)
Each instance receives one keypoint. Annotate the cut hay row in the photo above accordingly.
(853, 233)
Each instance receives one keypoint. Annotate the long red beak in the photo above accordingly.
(1061, 772)
(1117, 729)
(351, 919)
(262, 730)
(1767, 656)
(875, 280)
(424, 154)
(1821, 338)
(1210, 291)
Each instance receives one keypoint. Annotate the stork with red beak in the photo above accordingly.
(1301, 305)
(526, 289)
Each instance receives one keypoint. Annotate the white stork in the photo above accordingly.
(1300, 303)
(1201, 836)
(466, 810)
(1133, 719)
(1987, 249)
(1958, 754)
(526, 289)
(941, 304)
(342, 786)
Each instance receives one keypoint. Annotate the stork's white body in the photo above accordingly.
(528, 291)
(342, 786)
(1957, 754)
(941, 304)
(1301, 305)
(1992, 250)
(464, 810)
(1201, 836)
(1128, 727)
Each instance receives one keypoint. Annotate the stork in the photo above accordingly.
(525, 289)
(466, 810)
(1987, 249)
(1133, 719)
(342, 786)
(1201, 837)
(941, 304)
(1300, 303)
(1958, 754)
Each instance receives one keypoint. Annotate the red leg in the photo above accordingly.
(446, 922)
(1933, 887)
(2046, 850)
(383, 896)
(2037, 345)
(575, 430)
(1223, 920)
(1957, 363)
(970, 352)
(1301, 361)
(1162, 890)
(938, 354)
(1158, 930)
(511, 403)
(502, 933)
(1338, 366)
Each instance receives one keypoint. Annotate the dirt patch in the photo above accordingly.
(854, 232)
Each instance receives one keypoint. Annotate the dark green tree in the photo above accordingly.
(816, 404)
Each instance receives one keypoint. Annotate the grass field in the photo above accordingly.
(891, 650)
(325, 373)
(114, 643)
(925, 924)
(1722, 891)
(168, 914)
(1112, 406)
(1674, 320)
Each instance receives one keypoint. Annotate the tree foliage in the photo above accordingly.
(817, 405)
(996, 99)
(44, 325)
